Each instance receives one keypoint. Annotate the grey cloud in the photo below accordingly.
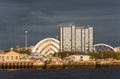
(43, 17)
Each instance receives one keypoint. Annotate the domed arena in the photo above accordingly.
(46, 47)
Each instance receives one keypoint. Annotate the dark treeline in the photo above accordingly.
(103, 54)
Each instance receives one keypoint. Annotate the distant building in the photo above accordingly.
(13, 56)
(78, 58)
(10, 56)
(117, 49)
(30, 48)
(74, 38)
(46, 47)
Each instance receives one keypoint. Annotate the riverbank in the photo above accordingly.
(81, 64)
(86, 64)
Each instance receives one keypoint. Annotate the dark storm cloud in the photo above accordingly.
(42, 19)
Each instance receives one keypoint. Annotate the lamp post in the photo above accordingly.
(26, 32)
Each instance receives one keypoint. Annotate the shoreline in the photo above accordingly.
(81, 64)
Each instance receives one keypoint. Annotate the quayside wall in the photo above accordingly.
(16, 65)
(37, 65)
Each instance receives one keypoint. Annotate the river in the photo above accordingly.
(72, 73)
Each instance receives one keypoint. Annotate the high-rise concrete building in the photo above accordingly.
(74, 38)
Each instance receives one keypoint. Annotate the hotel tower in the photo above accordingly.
(76, 38)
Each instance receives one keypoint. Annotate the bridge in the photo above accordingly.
(106, 45)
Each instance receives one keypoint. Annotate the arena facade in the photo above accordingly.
(46, 47)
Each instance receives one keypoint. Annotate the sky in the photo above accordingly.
(42, 19)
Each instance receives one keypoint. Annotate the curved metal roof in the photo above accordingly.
(46, 46)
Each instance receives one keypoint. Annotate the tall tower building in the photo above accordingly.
(74, 38)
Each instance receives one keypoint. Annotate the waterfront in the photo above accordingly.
(72, 73)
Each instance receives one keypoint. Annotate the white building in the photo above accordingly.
(74, 38)
(46, 47)
(117, 49)
(78, 58)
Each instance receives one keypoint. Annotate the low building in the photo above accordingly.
(39, 63)
(77, 58)
(10, 56)
(117, 49)
(85, 57)
(24, 57)
(56, 61)
(13, 56)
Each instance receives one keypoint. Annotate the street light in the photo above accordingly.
(26, 32)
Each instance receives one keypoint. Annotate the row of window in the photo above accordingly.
(9, 58)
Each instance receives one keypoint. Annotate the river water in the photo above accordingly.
(72, 73)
